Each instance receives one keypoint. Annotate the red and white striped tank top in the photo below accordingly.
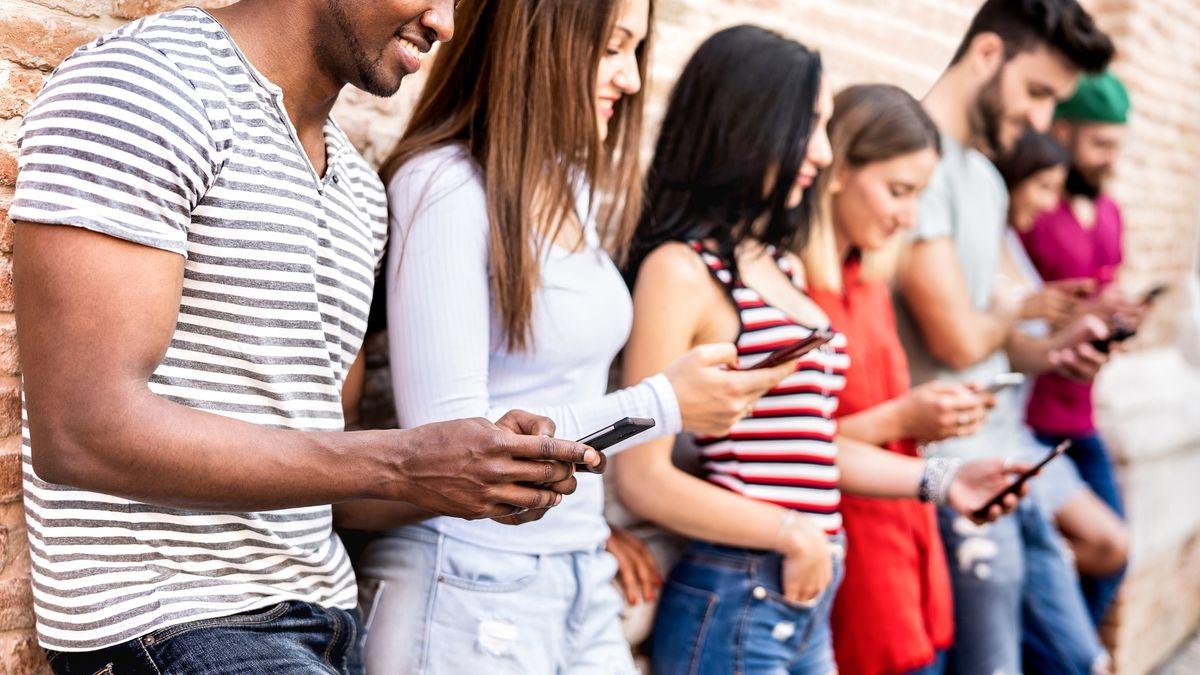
(785, 451)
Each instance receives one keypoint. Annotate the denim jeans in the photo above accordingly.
(1091, 458)
(1011, 580)
(439, 605)
(291, 637)
(723, 612)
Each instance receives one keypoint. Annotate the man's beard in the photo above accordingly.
(1080, 185)
(987, 115)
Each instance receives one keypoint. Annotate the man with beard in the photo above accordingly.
(1018, 58)
(196, 242)
(1081, 239)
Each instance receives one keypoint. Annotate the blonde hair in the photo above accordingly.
(870, 123)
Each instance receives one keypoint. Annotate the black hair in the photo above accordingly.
(1062, 25)
(1031, 154)
(741, 113)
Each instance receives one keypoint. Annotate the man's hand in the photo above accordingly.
(474, 469)
(637, 571)
(1074, 356)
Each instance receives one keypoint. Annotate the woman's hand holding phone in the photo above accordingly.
(979, 481)
(712, 397)
(807, 560)
(938, 410)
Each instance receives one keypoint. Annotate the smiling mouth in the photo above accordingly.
(411, 48)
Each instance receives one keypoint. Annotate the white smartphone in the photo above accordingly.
(1001, 381)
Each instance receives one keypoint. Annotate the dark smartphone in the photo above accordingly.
(1153, 293)
(612, 434)
(982, 511)
(794, 350)
(1117, 332)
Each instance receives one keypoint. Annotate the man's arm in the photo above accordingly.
(933, 287)
(95, 316)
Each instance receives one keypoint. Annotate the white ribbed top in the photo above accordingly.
(447, 345)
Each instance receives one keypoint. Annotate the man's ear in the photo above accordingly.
(986, 56)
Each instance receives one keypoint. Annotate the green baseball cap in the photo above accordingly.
(1099, 98)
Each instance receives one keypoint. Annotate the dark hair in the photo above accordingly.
(518, 89)
(1032, 153)
(741, 112)
(1061, 25)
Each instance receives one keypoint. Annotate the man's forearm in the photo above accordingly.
(1028, 354)
(151, 450)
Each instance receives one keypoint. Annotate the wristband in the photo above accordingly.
(783, 524)
(936, 479)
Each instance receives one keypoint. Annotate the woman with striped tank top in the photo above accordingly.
(712, 261)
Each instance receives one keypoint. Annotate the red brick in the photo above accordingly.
(6, 224)
(6, 284)
(10, 363)
(16, 598)
(10, 478)
(10, 410)
(17, 93)
(42, 40)
(134, 9)
(21, 655)
(8, 167)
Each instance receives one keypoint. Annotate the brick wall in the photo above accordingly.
(906, 42)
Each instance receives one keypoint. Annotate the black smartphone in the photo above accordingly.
(792, 351)
(1117, 332)
(1058, 450)
(612, 434)
(1152, 294)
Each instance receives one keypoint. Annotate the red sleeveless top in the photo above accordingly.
(784, 451)
(894, 607)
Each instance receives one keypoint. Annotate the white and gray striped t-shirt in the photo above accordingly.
(161, 133)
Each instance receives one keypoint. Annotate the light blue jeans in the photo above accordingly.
(1011, 579)
(436, 605)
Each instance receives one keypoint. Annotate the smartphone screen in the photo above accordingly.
(792, 351)
(1015, 487)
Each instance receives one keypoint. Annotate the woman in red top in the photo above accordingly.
(893, 613)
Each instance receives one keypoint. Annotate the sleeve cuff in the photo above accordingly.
(671, 421)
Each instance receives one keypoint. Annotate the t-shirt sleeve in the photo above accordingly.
(934, 213)
(117, 142)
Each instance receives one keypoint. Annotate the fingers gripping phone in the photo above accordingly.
(1015, 487)
(792, 351)
(1118, 332)
(612, 434)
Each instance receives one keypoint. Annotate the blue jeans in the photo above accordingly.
(722, 611)
(1091, 458)
(437, 605)
(1011, 579)
(291, 637)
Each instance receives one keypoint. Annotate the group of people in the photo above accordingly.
(191, 347)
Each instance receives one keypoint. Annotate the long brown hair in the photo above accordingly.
(870, 123)
(518, 89)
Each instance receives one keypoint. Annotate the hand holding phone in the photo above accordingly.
(1118, 332)
(793, 351)
(612, 434)
(1015, 487)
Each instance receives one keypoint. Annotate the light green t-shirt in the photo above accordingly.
(967, 201)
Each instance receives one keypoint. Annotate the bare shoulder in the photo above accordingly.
(673, 263)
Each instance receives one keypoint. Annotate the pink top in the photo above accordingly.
(1061, 248)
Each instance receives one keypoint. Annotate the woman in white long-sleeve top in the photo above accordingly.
(501, 294)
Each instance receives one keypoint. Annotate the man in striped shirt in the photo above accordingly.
(196, 243)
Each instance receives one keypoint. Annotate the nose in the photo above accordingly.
(627, 78)
(819, 151)
(439, 19)
(1040, 115)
